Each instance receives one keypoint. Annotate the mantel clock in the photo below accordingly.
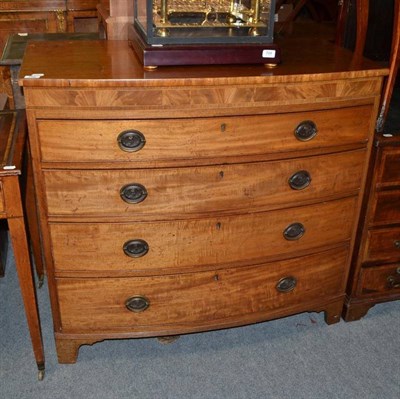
(191, 32)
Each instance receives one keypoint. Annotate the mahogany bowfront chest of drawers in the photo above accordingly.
(190, 199)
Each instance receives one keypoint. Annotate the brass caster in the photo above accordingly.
(150, 68)
(41, 375)
(41, 281)
(162, 32)
(270, 66)
(168, 339)
(254, 32)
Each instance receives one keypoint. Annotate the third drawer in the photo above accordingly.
(164, 246)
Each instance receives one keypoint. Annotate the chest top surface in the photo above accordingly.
(113, 63)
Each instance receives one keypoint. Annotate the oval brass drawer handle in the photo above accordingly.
(286, 284)
(136, 248)
(131, 140)
(394, 282)
(294, 231)
(133, 193)
(137, 303)
(306, 131)
(300, 180)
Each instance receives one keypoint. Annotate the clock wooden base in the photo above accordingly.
(203, 54)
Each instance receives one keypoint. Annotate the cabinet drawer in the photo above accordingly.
(380, 279)
(387, 207)
(383, 244)
(160, 247)
(173, 140)
(389, 172)
(196, 300)
(200, 190)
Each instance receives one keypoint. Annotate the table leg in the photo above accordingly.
(16, 224)
(31, 213)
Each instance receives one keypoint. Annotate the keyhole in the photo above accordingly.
(221, 174)
(218, 226)
(223, 127)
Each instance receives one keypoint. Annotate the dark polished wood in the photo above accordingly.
(202, 54)
(45, 16)
(13, 139)
(374, 276)
(81, 15)
(361, 26)
(394, 68)
(115, 17)
(30, 17)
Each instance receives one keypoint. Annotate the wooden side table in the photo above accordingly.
(13, 53)
(12, 143)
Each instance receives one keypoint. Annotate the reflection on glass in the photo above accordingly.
(206, 21)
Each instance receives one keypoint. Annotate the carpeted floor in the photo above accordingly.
(296, 357)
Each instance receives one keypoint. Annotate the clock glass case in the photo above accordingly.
(205, 21)
(191, 32)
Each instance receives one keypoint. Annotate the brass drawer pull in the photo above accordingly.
(305, 131)
(294, 231)
(286, 284)
(133, 193)
(137, 303)
(394, 281)
(300, 180)
(135, 248)
(131, 140)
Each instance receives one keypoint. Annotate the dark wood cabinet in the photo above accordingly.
(375, 275)
(81, 15)
(24, 16)
(46, 16)
(375, 272)
(115, 18)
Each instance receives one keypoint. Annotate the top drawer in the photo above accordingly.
(174, 140)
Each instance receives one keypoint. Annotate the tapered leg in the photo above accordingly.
(31, 213)
(16, 224)
(3, 246)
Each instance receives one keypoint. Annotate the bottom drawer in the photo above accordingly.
(194, 301)
(381, 279)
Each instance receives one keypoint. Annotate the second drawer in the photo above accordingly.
(201, 190)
